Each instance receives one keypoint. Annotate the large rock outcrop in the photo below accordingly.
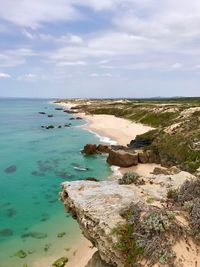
(122, 159)
(97, 207)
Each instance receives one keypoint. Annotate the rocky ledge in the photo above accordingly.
(99, 209)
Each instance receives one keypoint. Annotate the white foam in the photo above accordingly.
(103, 139)
(116, 171)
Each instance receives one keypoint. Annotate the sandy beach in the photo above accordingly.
(118, 129)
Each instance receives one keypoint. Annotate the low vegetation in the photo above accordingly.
(149, 234)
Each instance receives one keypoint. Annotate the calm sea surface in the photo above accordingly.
(33, 163)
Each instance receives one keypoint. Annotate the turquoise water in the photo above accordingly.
(33, 163)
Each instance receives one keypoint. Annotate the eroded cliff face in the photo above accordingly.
(98, 206)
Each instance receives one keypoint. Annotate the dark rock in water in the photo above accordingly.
(68, 125)
(64, 175)
(59, 126)
(50, 116)
(35, 235)
(61, 234)
(92, 179)
(11, 169)
(49, 127)
(58, 108)
(41, 112)
(6, 232)
(21, 254)
(79, 118)
(71, 118)
(11, 212)
(44, 166)
(70, 111)
(47, 247)
(89, 149)
(45, 217)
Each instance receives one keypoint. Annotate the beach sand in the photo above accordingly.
(79, 255)
(118, 129)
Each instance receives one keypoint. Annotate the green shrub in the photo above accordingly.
(129, 178)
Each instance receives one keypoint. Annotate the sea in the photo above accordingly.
(34, 161)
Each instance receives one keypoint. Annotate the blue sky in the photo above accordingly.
(93, 48)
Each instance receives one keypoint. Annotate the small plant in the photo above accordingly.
(188, 205)
(127, 243)
(129, 178)
(172, 194)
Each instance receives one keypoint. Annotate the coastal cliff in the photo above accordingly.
(105, 210)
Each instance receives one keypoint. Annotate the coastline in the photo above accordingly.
(112, 130)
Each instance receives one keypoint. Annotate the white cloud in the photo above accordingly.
(33, 13)
(176, 66)
(94, 74)
(28, 77)
(71, 63)
(4, 75)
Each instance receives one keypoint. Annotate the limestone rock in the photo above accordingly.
(122, 158)
(97, 208)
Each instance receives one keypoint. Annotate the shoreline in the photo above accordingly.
(106, 128)
(120, 130)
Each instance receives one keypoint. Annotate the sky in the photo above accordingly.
(99, 48)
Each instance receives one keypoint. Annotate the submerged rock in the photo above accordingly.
(36, 235)
(61, 234)
(6, 232)
(50, 116)
(60, 262)
(21, 254)
(11, 212)
(11, 169)
(41, 112)
(122, 158)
